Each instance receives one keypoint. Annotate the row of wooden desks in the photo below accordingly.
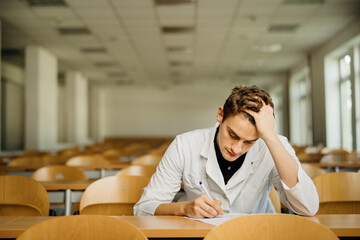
(66, 192)
(91, 171)
(343, 225)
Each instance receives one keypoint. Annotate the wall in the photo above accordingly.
(317, 61)
(12, 95)
(136, 111)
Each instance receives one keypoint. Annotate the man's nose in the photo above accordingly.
(237, 146)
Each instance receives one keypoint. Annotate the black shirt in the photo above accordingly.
(227, 168)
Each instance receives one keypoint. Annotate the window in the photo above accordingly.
(345, 103)
(300, 114)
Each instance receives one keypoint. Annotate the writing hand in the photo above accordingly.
(203, 207)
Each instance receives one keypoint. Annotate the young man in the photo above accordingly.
(238, 161)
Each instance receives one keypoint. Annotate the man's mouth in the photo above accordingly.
(231, 153)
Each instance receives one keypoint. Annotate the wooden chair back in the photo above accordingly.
(87, 160)
(22, 196)
(148, 159)
(309, 157)
(115, 195)
(339, 193)
(138, 170)
(58, 173)
(270, 227)
(312, 171)
(275, 199)
(28, 162)
(83, 227)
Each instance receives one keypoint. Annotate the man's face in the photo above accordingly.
(236, 135)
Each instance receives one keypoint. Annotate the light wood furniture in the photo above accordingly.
(58, 173)
(339, 193)
(138, 170)
(167, 227)
(83, 228)
(270, 227)
(311, 170)
(309, 157)
(148, 159)
(115, 195)
(87, 160)
(34, 161)
(71, 193)
(275, 199)
(22, 196)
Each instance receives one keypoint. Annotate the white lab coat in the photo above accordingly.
(191, 158)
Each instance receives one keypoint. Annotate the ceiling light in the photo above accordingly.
(179, 63)
(73, 30)
(282, 28)
(46, 3)
(173, 30)
(93, 50)
(181, 49)
(173, 2)
(303, 1)
(271, 48)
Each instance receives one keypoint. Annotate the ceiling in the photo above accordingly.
(167, 42)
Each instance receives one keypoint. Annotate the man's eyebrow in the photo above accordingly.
(232, 132)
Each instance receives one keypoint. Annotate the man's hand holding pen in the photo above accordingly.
(203, 207)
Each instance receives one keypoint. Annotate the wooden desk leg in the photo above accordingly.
(68, 203)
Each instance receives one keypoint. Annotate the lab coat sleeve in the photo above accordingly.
(302, 198)
(165, 182)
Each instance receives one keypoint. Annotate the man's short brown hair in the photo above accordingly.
(242, 98)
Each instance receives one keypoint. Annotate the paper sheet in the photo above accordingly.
(219, 219)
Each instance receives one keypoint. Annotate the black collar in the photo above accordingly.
(228, 168)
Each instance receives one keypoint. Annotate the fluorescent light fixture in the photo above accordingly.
(271, 48)
(180, 29)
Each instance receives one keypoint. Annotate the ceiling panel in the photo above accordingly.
(226, 39)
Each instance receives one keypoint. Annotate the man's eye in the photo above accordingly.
(232, 135)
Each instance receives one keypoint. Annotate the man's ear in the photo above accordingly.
(220, 114)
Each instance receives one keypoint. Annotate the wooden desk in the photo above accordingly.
(67, 189)
(355, 164)
(343, 225)
(179, 227)
(100, 170)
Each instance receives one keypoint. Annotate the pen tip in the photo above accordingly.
(200, 182)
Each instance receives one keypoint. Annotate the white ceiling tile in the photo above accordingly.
(132, 3)
(176, 21)
(86, 3)
(216, 3)
(178, 39)
(136, 13)
(53, 12)
(140, 23)
(177, 11)
(130, 30)
(102, 12)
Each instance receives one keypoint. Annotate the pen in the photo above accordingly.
(205, 191)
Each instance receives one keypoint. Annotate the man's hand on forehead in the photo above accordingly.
(264, 120)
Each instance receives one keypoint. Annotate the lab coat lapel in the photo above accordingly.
(212, 167)
(246, 169)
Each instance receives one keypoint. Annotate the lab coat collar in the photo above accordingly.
(212, 166)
